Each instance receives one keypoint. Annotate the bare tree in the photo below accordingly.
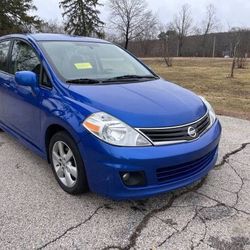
(149, 34)
(240, 46)
(243, 49)
(182, 25)
(110, 36)
(164, 37)
(209, 24)
(235, 48)
(131, 18)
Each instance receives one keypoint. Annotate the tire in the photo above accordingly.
(69, 170)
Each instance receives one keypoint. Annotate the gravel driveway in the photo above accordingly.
(211, 214)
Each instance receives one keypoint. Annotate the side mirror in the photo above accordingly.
(26, 78)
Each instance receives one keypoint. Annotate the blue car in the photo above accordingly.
(102, 119)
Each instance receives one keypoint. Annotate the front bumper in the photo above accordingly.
(104, 162)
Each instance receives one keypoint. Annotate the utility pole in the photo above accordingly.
(214, 45)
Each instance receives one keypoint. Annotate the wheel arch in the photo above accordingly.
(52, 130)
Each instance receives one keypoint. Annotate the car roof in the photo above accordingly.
(53, 37)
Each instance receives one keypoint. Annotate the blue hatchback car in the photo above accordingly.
(102, 118)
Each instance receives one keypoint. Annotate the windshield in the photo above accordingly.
(76, 61)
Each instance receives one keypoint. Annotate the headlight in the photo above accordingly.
(114, 131)
(210, 110)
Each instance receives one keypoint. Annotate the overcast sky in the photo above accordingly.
(231, 13)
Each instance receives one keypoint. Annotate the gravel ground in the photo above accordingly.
(211, 214)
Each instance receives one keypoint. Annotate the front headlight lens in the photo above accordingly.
(114, 131)
(210, 109)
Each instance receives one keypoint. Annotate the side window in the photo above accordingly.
(4, 50)
(45, 81)
(24, 58)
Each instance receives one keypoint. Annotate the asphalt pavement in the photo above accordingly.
(211, 214)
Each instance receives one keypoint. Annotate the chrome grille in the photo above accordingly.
(177, 134)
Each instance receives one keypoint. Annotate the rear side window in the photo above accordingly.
(4, 50)
(24, 58)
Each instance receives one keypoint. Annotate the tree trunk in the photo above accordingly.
(180, 45)
(233, 67)
(234, 59)
(126, 43)
(127, 35)
(166, 56)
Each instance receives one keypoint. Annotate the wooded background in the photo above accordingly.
(217, 45)
(133, 25)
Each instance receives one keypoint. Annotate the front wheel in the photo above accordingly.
(67, 164)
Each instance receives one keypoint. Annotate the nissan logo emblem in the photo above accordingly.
(192, 132)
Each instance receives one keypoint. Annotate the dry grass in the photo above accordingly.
(209, 77)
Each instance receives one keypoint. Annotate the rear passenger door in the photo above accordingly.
(4, 74)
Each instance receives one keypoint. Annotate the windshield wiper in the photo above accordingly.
(83, 81)
(113, 79)
(130, 78)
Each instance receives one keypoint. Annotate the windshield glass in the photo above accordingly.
(97, 61)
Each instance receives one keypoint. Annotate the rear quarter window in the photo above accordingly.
(4, 50)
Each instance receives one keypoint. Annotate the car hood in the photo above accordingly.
(155, 103)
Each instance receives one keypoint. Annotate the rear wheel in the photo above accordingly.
(67, 164)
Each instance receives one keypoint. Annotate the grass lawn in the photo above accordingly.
(209, 77)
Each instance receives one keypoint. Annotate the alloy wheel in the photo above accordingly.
(64, 164)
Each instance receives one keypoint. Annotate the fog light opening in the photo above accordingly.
(125, 177)
(133, 178)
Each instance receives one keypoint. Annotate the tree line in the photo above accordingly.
(130, 21)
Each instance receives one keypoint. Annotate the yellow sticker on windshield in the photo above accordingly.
(83, 65)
